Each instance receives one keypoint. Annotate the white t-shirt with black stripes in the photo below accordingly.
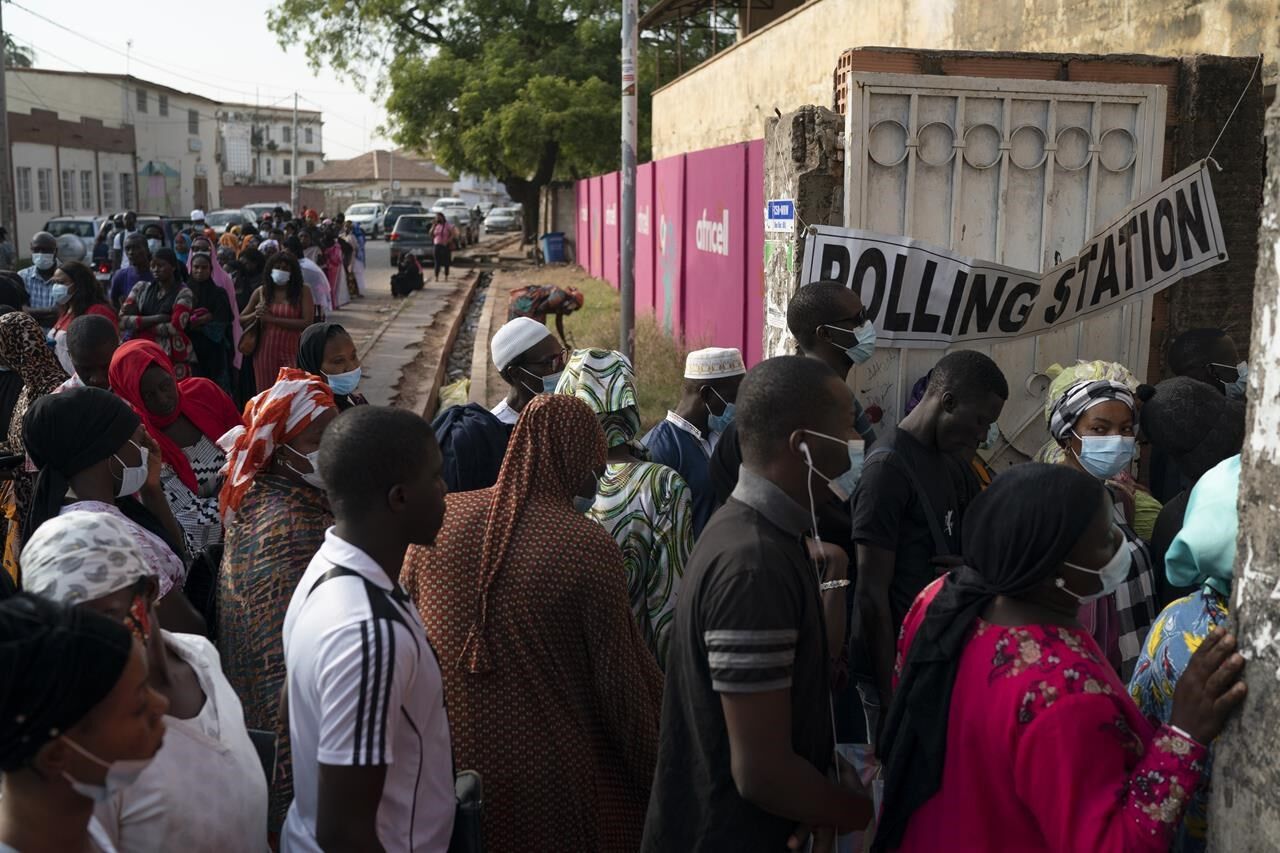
(365, 689)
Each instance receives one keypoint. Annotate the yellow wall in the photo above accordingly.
(790, 63)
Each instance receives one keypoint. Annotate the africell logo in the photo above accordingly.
(642, 220)
(611, 215)
(712, 236)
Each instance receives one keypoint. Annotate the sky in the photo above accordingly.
(225, 56)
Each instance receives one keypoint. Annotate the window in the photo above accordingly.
(164, 103)
(193, 122)
(69, 189)
(126, 190)
(306, 134)
(44, 188)
(311, 166)
(268, 162)
(288, 167)
(24, 188)
(286, 133)
(86, 189)
(108, 192)
(142, 100)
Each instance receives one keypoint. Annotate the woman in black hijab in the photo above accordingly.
(1008, 728)
(327, 351)
(80, 721)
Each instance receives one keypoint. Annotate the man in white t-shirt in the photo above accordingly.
(118, 256)
(531, 359)
(372, 758)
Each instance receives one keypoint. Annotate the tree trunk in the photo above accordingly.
(1244, 809)
(528, 191)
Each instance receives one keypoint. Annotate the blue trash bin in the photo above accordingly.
(553, 247)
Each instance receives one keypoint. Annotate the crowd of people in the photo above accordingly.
(295, 621)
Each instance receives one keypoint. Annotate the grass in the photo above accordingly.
(659, 360)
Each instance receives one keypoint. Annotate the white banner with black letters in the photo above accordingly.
(919, 295)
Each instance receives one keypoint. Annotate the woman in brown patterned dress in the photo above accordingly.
(553, 695)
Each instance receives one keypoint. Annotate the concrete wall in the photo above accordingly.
(790, 63)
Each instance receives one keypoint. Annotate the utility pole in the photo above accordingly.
(8, 207)
(391, 171)
(293, 157)
(630, 46)
(1242, 810)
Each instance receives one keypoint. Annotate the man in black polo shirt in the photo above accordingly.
(746, 752)
(909, 504)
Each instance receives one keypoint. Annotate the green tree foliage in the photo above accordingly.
(524, 90)
(17, 56)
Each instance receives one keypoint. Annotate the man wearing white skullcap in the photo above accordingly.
(684, 440)
(206, 789)
(530, 359)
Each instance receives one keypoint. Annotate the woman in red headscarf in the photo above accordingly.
(186, 418)
(525, 600)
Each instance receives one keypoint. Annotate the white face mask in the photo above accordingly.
(280, 276)
(120, 774)
(132, 478)
(42, 260)
(1113, 574)
(312, 477)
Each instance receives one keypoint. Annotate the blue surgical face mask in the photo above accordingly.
(43, 260)
(343, 384)
(843, 485)
(1236, 390)
(993, 435)
(720, 422)
(60, 293)
(154, 245)
(1104, 456)
(182, 256)
(865, 345)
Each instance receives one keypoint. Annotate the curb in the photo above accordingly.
(480, 351)
(431, 400)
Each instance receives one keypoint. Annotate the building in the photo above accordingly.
(788, 62)
(257, 145)
(384, 176)
(155, 146)
(475, 190)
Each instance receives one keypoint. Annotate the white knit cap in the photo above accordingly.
(516, 338)
(714, 363)
(197, 215)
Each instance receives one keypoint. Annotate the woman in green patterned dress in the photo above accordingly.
(644, 505)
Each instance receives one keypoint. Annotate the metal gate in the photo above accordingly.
(1020, 172)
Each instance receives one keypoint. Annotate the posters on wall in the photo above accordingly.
(920, 295)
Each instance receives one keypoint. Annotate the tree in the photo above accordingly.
(17, 56)
(524, 90)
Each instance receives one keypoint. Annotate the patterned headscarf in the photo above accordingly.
(1062, 379)
(275, 417)
(556, 443)
(605, 381)
(1080, 398)
(24, 350)
(82, 556)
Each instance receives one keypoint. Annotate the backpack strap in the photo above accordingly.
(940, 545)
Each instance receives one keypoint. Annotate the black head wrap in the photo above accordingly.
(1193, 422)
(58, 663)
(1016, 534)
(311, 354)
(66, 433)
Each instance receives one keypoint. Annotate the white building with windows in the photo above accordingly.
(257, 144)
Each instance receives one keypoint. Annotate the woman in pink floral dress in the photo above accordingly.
(1009, 730)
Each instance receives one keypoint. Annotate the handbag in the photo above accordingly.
(468, 818)
(249, 339)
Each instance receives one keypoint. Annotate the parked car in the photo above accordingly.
(460, 219)
(501, 222)
(77, 241)
(368, 215)
(411, 235)
(447, 202)
(259, 208)
(395, 211)
(221, 220)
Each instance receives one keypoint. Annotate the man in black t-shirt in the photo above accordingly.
(746, 751)
(908, 506)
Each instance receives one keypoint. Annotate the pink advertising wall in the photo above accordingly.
(645, 293)
(699, 243)
(612, 262)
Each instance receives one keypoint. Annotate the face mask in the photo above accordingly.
(1236, 390)
(343, 384)
(993, 435)
(120, 774)
(842, 487)
(60, 293)
(182, 256)
(1112, 574)
(312, 477)
(132, 479)
(720, 422)
(1104, 456)
(865, 346)
(280, 276)
(263, 235)
(42, 260)
(549, 382)
(153, 244)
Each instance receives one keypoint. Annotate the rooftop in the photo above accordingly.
(376, 166)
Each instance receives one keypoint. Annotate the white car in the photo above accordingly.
(368, 215)
(444, 203)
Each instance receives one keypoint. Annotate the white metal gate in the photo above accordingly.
(1020, 172)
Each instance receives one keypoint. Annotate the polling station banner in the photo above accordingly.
(919, 295)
